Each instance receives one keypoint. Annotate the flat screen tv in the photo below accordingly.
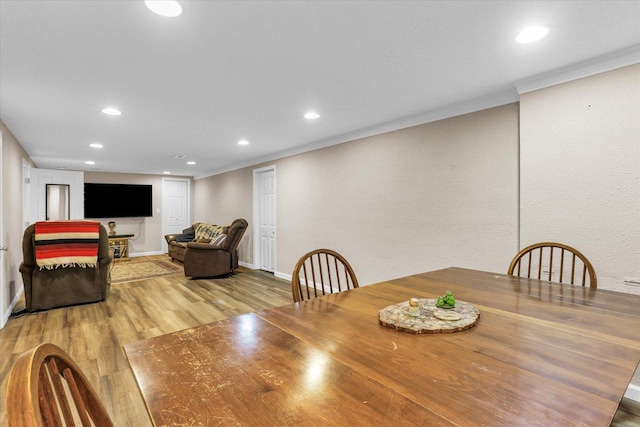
(117, 200)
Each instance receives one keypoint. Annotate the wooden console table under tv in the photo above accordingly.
(119, 244)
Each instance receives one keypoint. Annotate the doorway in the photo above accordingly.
(264, 217)
(37, 193)
(175, 207)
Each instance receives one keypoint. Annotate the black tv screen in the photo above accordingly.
(117, 200)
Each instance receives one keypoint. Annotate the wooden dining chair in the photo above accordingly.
(47, 388)
(554, 262)
(321, 272)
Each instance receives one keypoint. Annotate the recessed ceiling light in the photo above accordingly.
(168, 8)
(95, 145)
(532, 34)
(166, 173)
(111, 111)
(89, 162)
(243, 142)
(311, 115)
(179, 156)
(191, 163)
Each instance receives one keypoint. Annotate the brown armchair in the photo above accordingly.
(63, 286)
(211, 260)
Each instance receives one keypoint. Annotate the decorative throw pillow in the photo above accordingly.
(207, 231)
(188, 235)
(218, 241)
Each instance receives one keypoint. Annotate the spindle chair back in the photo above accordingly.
(321, 272)
(554, 262)
(47, 388)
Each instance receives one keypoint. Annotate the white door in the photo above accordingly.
(266, 220)
(175, 207)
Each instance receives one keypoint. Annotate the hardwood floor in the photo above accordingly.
(94, 334)
(628, 414)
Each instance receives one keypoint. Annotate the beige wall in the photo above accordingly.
(580, 171)
(148, 235)
(12, 155)
(223, 198)
(403, 202)
(447, 193)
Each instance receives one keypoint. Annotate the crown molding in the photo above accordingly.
(601, 64)
(496, 100)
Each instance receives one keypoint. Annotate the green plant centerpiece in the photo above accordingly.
(446, 301)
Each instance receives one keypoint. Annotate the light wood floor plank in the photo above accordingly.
(628, 414)
(94, 334)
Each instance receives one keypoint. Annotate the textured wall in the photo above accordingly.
(580, 171)
(412, 200)
(12, 155)
(407, 201)
(223, 198)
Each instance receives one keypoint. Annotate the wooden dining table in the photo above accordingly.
(540, 354)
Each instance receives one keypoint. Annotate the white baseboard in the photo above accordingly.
(7, 313)
(255, 267)
(633, 392)
(275, 273)
(5, 316)
(282, 275)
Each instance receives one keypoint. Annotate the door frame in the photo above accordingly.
(256, 215)
(163, 242)
(26, 195)
(39, 178)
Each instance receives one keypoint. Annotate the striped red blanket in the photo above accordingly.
(66, 244)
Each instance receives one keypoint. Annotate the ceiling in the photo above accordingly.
(224, 71)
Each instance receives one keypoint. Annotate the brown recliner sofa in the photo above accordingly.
(200, 232)
(211, 260)
(64, 286)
